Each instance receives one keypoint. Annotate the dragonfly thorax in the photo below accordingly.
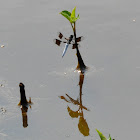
(70, 39)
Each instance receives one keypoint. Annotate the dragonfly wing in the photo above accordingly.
(79, 38)
(65, 49)
(60, 35)
(57, 42)
(74, 46)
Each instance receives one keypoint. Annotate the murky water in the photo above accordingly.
(67, 104)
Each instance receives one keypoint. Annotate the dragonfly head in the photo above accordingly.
(71, 37)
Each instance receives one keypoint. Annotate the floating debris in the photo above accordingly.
(42, 85)
(134, 20)
(3, 110)
(2, 84)
(2, 46)
(67, 135)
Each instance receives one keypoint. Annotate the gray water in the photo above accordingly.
(111, 85)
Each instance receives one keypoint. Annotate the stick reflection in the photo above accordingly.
(24, 110)
(82, 125)
(24, 104)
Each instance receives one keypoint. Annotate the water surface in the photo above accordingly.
(111, 86)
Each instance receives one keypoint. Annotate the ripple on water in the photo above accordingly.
(92, 70)
(71, 71)
(63, 73)
(8, 101)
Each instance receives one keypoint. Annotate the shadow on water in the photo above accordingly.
(82, 125)
(24, 104)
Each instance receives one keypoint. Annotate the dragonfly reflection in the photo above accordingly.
(24, 104)
(82, 125)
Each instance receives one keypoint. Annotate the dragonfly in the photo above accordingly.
(67, 41)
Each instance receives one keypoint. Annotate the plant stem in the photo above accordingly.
(81, 64)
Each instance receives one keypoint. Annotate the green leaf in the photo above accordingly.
(109, 137)
(101, 135)
(73, 18)
(73, 13)
(66, 14)
(70, 15)
(78, 17)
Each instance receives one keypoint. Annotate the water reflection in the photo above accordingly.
(24, 110)
(82, 125)
(24, 104)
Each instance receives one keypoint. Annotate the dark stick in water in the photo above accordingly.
(23, 99)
